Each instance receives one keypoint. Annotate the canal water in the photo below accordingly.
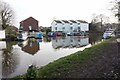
(16, 57)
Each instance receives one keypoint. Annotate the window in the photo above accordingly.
(55, 28)
(63, 28)
(30, 27)
(78, 27)
(71, 40)
(70, 23)
(71, 28)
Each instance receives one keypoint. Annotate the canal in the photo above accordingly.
(16, 57)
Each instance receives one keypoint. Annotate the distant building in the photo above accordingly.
(14, 28)
(29, 24)
(69, 26)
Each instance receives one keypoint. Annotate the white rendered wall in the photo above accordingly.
(75, 26)
(2, 34)
(84, 27)
(58, 25)
(67, 27)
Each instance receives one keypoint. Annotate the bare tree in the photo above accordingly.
(6, 15)
(115, 7)
(100, 20)
(116, 10)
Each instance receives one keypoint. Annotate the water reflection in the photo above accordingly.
(70, 42)
(16, 58)
(31, 46)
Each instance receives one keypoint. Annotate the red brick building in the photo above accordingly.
(29, 24)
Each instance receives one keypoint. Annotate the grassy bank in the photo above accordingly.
(72, 63)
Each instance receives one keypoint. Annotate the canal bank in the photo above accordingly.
(99, 61)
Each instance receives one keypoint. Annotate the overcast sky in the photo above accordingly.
(47, 10)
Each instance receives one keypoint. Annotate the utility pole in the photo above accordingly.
(101, 23)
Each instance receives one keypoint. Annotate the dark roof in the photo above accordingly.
(57, 21)
(29, 18)
(65, 21)
(82, 21)
(73, 21)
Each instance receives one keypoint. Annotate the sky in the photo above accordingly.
(45, 11)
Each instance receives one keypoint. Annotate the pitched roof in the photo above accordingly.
(70, 21)
(82, 21)
(28, 19)
(57, 21)
(65, 21)
(73, 21)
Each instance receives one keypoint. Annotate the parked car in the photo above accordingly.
(108, 34)
(51, 34)
(70, 34)
(63, 34)
(77, 34)
(58, 33)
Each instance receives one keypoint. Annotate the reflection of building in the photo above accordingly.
(2, 45)
(32, 46)
(69, 42)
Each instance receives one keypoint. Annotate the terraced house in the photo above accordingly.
(68, 26)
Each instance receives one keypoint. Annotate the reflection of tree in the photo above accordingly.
(9, 60)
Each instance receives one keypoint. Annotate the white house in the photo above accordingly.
(57, 25)
(84, 26)
(74, 26)
(68, 26)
